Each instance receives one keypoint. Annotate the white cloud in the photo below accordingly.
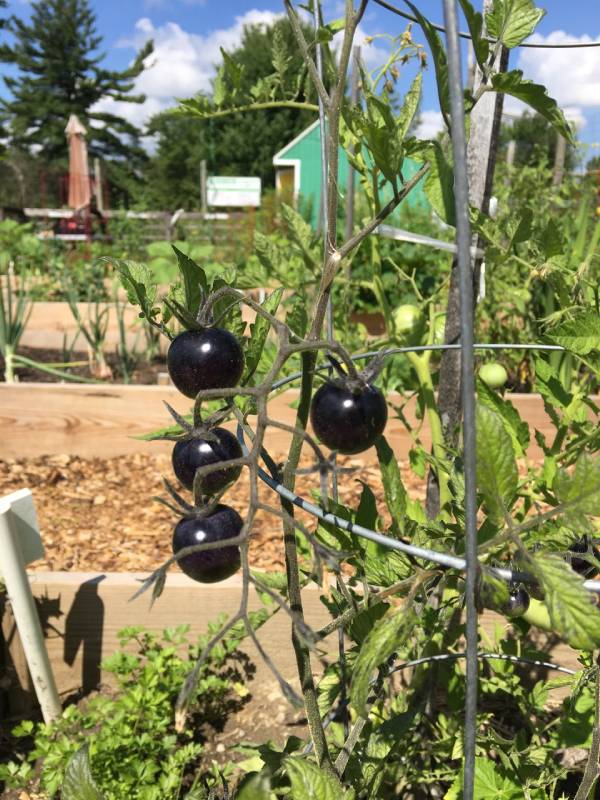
(572, 76)
(182, 63)
(429, 125)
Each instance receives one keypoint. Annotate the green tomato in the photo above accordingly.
(409, 323)
(494, 375)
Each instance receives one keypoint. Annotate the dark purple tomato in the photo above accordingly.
(208, 359)
(348, 421)
(580, 565)
(209, 566)
(518, 602)
(190, 454)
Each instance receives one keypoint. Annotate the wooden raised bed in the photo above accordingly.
(48, 419)
(82, 612)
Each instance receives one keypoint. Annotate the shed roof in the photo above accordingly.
(285, 151)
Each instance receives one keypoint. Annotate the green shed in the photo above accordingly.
(298, 173)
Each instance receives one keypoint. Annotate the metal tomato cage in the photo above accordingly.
(469, 564)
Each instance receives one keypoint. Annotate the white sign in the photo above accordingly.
(226, 191)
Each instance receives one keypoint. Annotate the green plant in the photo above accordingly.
(134, 749)
(94, 329)
(15, 309)
(385, 719)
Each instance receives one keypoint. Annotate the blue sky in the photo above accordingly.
(188, 34)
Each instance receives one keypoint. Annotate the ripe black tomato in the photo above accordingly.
(347, 420)
(208, 359)
(580, 565)
(190, 454)
(209, 566)
(518, 602)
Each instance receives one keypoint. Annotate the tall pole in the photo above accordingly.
(559, 160)
(203, 204)
(98, 185)
(350, 181)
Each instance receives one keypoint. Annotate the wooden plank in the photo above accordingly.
(51, 322)
(81, 614)
(47, 419)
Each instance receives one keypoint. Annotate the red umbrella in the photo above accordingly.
(79, 175)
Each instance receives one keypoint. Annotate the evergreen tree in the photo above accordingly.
(60, 73)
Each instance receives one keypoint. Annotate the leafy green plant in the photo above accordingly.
(385, 719)
(128, 733)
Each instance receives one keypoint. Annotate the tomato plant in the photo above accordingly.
(386, 717)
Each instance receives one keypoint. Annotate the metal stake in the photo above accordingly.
(463, 240)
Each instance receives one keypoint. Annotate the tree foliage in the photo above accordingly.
(535, 139)
(60, 73)
(240, 145)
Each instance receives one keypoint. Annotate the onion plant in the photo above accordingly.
(15, 310)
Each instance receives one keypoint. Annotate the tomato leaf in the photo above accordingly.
(393, 488)
(259, 330)
(573, 614)
(517, 429)
(310, 782)
(512, 21)
(535, 96)
(78, 783)
(384, 639)
(580, 336)
(194, 281)
(474, 19)
(497, 475)
(440, 61)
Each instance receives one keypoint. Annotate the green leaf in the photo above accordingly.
(517, 429)
(512, 21)
(259, 330)
(384, 639)
(297, 316)
(393, 488)
(497, 475)
(78, 783)
(409, 107)
(439, 181)
(440, 60)
(549, 386)
(573, 614)
(256, 786)
(363, 622)
(580, 335)
(194, 281)
(138, 282)
(535, 96)
(475, 22)
(310, 782)
(581, 489)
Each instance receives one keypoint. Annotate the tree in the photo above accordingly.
(172, 174)
(535, 141)
(60, 73)
(240, 145)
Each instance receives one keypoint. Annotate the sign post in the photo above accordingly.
(233, 191)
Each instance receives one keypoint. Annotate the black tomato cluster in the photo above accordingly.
(581, 565)
(210, 358)
(348, 418)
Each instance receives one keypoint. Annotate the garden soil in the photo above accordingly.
(100, 515)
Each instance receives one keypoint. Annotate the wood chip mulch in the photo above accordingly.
(98, 515)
